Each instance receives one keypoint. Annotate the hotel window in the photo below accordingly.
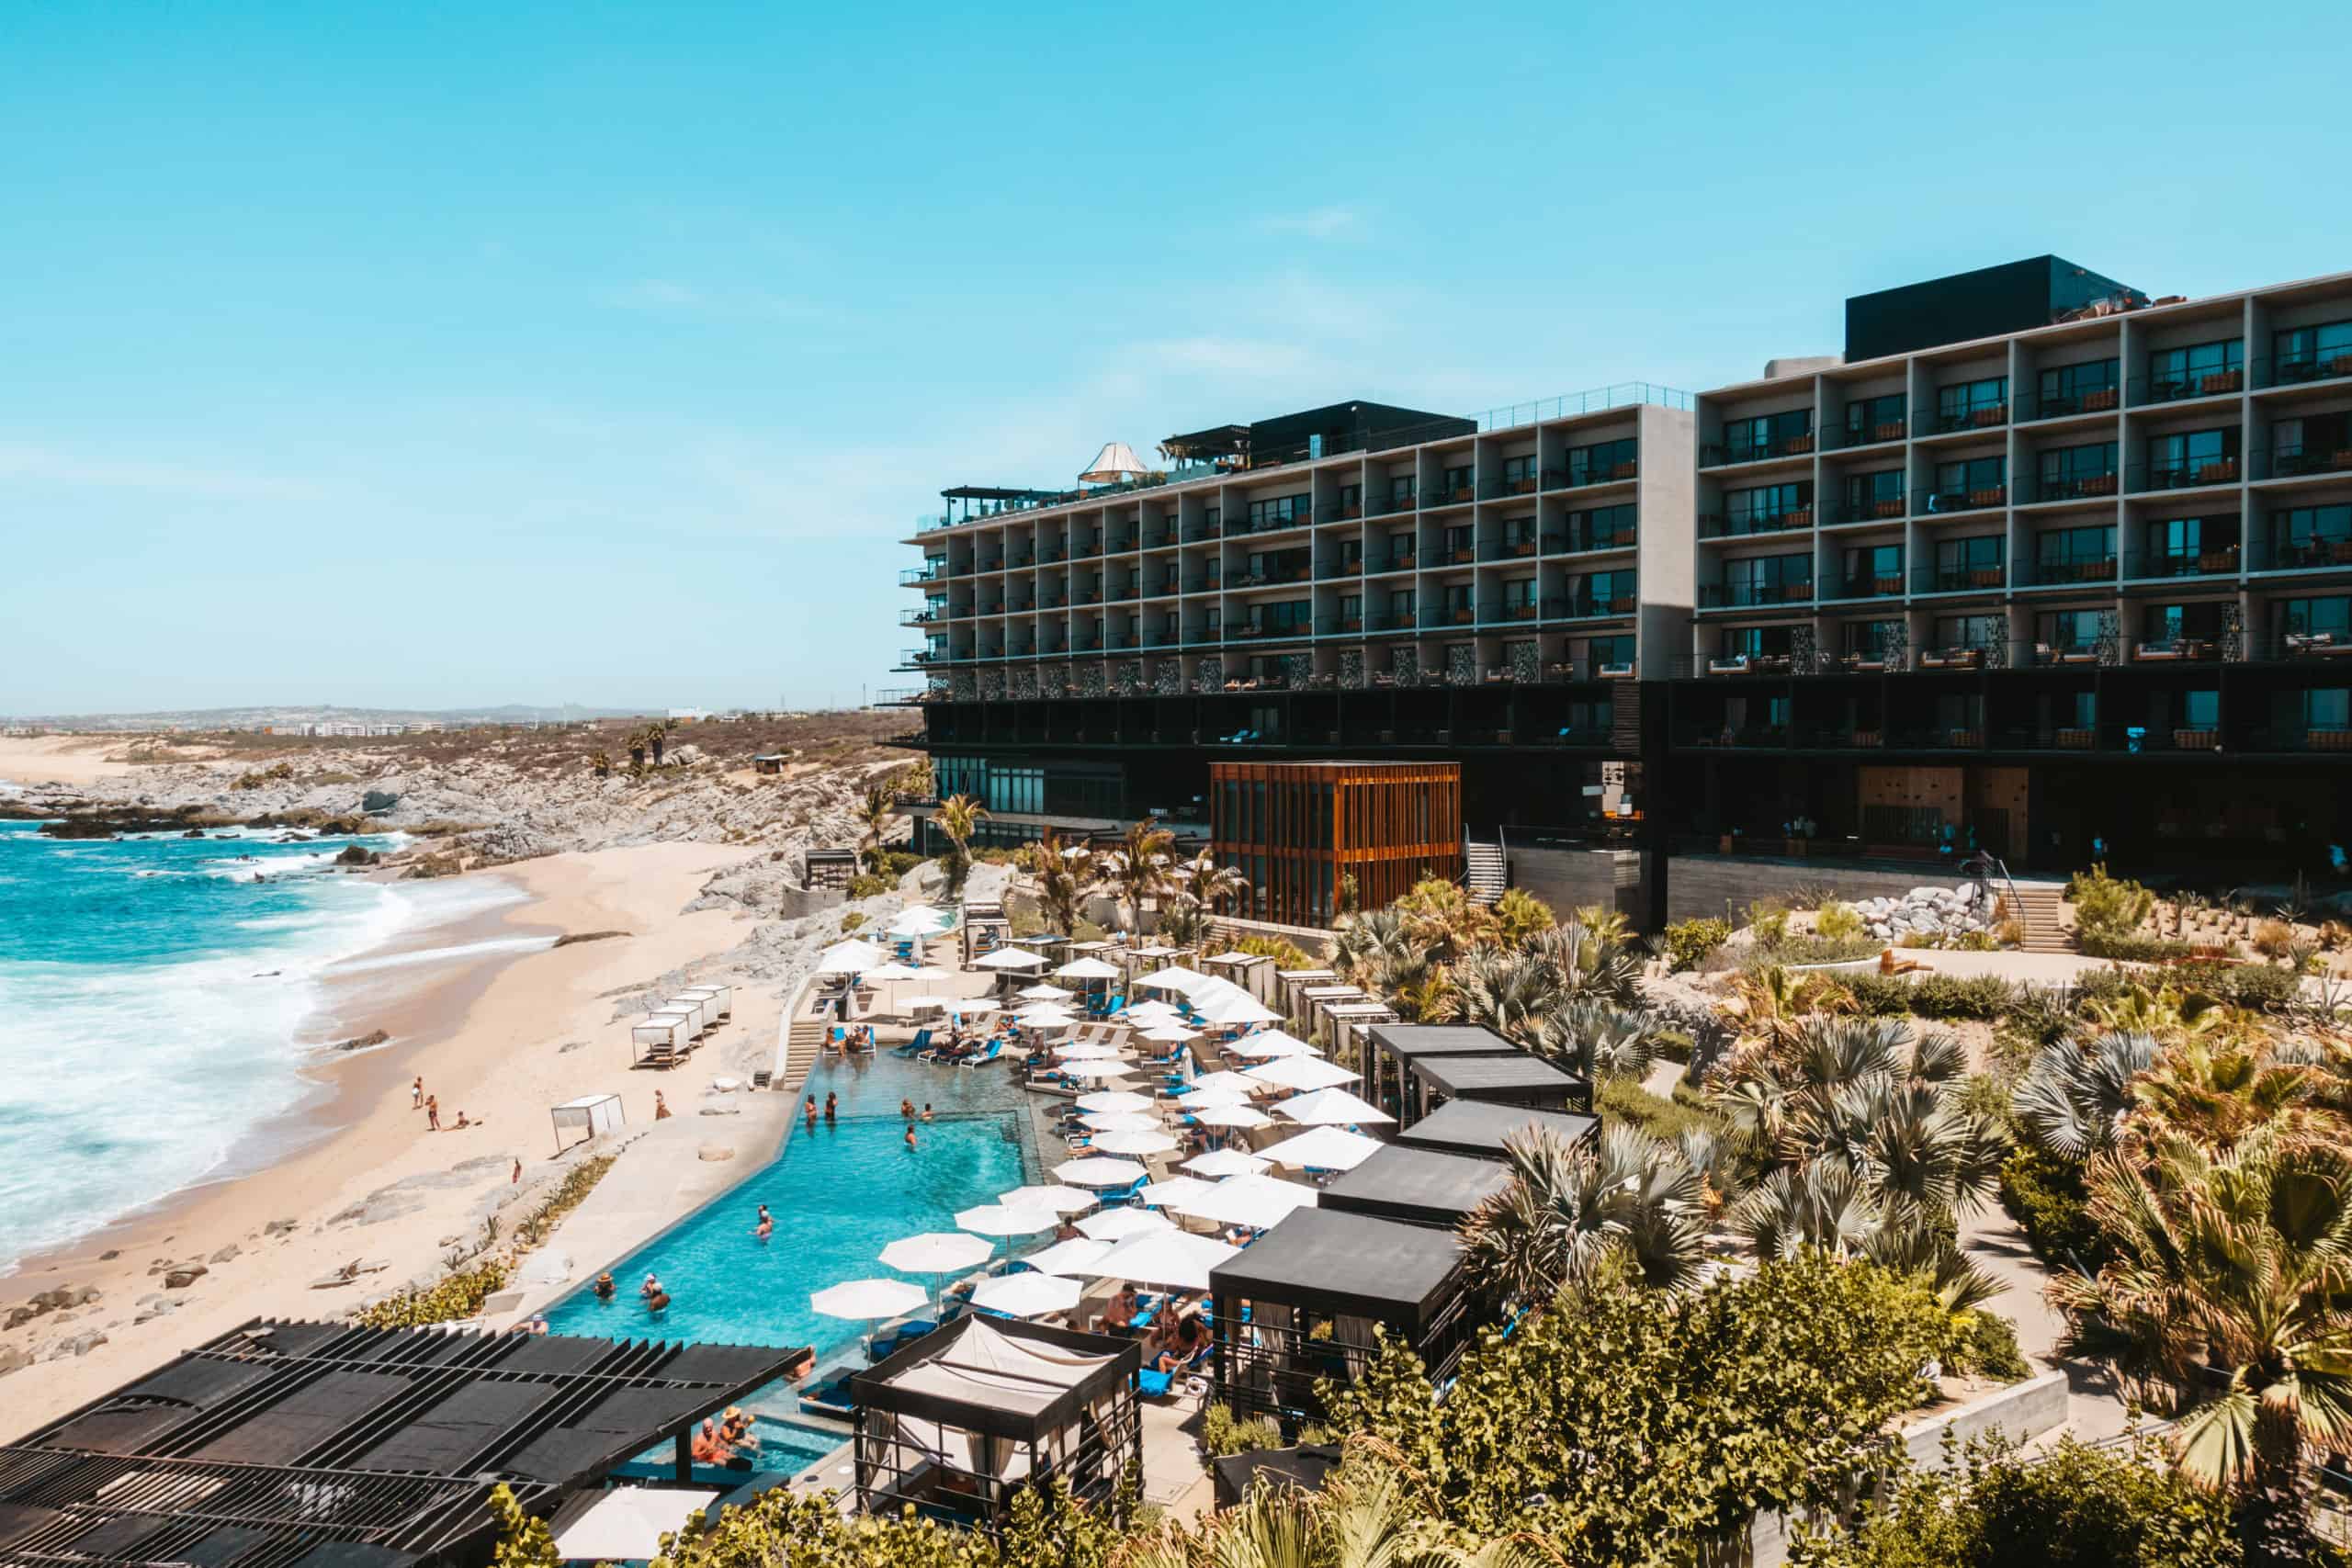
(1351, 554)
(2311, 535)
(2194, 456)
(1873, 568)
(2068, 472)
(2075, 710)
(1519, 473)
(1459, 483)
(1868, 639)
(2172, 622)
(2327, 708)
(2197, 369)
(1519, 530)
(1278, 512)
(1968, 563)
(1457, 543)
(2075, 555)
(2304, 354)
(1610, 650)
(1211, 621)
(1609, 593)
(1601, 528)
(1519, 595)
(2200, 710)
(1970, 631)
(1767, 435)
(2065, 630)
(2187, 544)
(1769, 507)
(1400, 607)
(1212, 518)
(2330, 617)
(1878, 493)
(1768, 579)
(1459, 603)
(2086, 388)
(1400, 552)
(1352, 501)
(1758, 642)
(1876, 419)
(1971, 482)
(1603, 461)
(1350, 613)
(1979, 402)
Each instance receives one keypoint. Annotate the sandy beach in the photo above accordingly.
(501, 1037)
(63, 758)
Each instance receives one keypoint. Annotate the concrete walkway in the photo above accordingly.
(2093, 1401)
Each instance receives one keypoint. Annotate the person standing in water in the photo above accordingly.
(910, 1136)
(833, 1101)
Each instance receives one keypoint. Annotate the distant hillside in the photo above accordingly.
(290, 715)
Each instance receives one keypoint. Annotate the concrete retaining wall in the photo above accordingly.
(1700, 885)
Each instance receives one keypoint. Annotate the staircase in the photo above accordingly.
(1485, 870)
(802, 1046)
(2035, 904)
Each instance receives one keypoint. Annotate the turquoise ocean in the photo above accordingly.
(158, 999)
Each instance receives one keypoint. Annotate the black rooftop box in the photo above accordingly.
(1987, 302)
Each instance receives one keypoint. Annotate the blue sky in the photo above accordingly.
(438, 355)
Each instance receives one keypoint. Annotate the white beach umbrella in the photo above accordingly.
(1154, 1142)
(1331, 1108)
(1097, 1071)
(1323, 1148)
(1214, 1094)
(1173, 1260)
(1046, 1013)
(973, 1004)
(1238, 1083)
(1110, 1100)
(869, 1299)
(918, 919)
(1000, 1219)
(1302, 1072)
(1243, 1008)
(1220, 1163)
(1073, 1257)
(1093, 1171)
(1232, 955)
(911, 1003)
(1175, 977)
(848, 957)
(1117, 1224)
(1169, 1033)
(1121, 1120)
(1145, 1014)
(1085, 1051)
(894, 970)
(937, 1252)
(1042, 992)
(1027, 1295)
(1051, 1195)
(1269, 1044)
(1235, 1115)
(1257, 1202)
(1009, 958)
(1087, 969)
(1175, 1190)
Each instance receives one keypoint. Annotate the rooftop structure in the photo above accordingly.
(1474, 1128)
(322, 1445)
(1988, 302)
(1421, 1187)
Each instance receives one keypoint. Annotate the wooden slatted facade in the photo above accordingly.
(1295, 829)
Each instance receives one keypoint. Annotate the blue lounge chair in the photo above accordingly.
(917, 1046)
(990, 1052)
(830, 1398)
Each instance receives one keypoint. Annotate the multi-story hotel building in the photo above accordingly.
(2055, 581)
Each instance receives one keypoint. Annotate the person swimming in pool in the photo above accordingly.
(605, 1287)
(926, 1110)
(833, 1102)
(809, 1111)
(907, 1109)
(766, 1226)
(911, 1135)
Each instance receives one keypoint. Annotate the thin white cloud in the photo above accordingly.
(29, 465)
(1336, 223)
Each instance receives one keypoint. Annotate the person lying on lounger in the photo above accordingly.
(1186, 1340)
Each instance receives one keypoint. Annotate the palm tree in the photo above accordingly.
(1569, 1207)
(2231, 1285)
(959, 818)
(875, 811)
(1821, 1204)
(655, 734)
(1504, 990)
(601, 764)
(1589, 963)
(1138, 867)
(1209, 884)
(1596, 1041)
(2073, 1098)
(2217, 1092)
(1065, 881)
(1363, 941)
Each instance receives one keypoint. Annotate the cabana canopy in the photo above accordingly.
(1329, 1261)
(1419, 1186)
(1474, 1127)
(1519, 1079)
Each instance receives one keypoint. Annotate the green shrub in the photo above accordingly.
(1798, 948)
(1991, 1349)
(1837, 921)
(2133, 949)
(1688, 942)
(1983, 997)
(1621, 1099)
(1769, 918)
(895, 863)
(866, 885)
(1224, 1433)
(851, 920)
(458, 1296)
(2047, 1197)
(2106, 905)
(2256, 986)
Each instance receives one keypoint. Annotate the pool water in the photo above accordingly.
(839, 1193)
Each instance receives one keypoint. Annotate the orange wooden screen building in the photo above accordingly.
(1295, 829)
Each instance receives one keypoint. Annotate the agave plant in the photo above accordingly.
(1569, 1207)
(1363, 942)
(1597, 1041)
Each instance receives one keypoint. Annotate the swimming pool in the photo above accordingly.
(840, 1193)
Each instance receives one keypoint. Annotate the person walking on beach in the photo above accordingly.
(416, 1093)
(432, 1113)
(661, 1107)
(516, 1178)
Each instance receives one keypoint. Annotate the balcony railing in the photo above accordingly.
(1326, 571)
(1499, 487)
(1392, 621)
(2059, 405)
(915, 574)
(1957, 580)
(2217, 561)
(2301, 739)
(1460, 494)
(2186, 473)
(2078, 487)
(1437, 616)
(1515, 611)
(1585, 541)
(1842, 437)
(2174, 386)
(1160, 538)
(1021, 559)
(921, 617)
(1579, 474)
(1734, 595)
(1202, 585)
(1980, 498)
(1591, 607)
(1877, 509)
(1888, 585)
(1733, 525)
(1509, 549)
(2302, 462)
(1945, 422)
(1274, 523)
(2175, 650)
(1339, 510)
(1396, 560)
(2302, 555)
(2036, 572)
(2295, 370)
(1389, 506)
(1713, 453)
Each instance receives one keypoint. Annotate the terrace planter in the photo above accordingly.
(2218, 561)
(1997, 414)
(1522, 487)
(2099, 402)
(1622, 471)
(1886, 509)
(1964, 737)
(1887, 430)
(2097, 484)
(1351, 512)
(2329, 739)
(1868, 738)
(1622, 606)
(2339, 552)
(1797, 446)
(1459, 493)
(1465, 617)
(1886, 585)
(2195, 740)
(1801, 518)
(2221, 381)
(1989, 577)
(1991, 497)
(2074, 739)
(2224, 472)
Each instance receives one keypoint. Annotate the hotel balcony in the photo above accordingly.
(2218, 561)
(2075, 487)
(1326, 571)
(1718, 454)
(1394, 560)
(921, 617)
(2179, 386)
(1521, 611)
(989, 563)
(1888, 586)
(1738, 524)
(1585, 541)
(2300, 738)
(2307, 555)
(1943, 503)
(2062, 572)
(2063, 405)
(1510, 549)
(914, 575)
(2185, 473)
(1741, 596)
(1957, 656)
(1589, 607)
(1878, 509)
(1504, 488)
(2300, 369)
(1389, 506)
(1958, 580)
(1952, 422)
(2304, 462)
(1592, 472)
(1845, 437)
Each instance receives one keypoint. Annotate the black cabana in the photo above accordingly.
(1519, 1079)
(323, 1444)
(1391, 1049)
(1477, 1128)
(1342, 1274)
(958, 1422)
(1421, 1187)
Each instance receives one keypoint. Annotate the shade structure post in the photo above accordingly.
(683, 1467)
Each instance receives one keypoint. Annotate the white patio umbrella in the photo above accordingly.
(1302, 1072)
(1009, 958)
(1232, 1115)
(1175, 1190)
(1087, 969)
(1154, 1142)
(1117, 1224)
(1169, 1033)
(894, 970)
(1042, 992)
(1257, 1202)
(1173, 1260)
(1002, 1220)
(1220, 1163)
(972, 1004)
(1027, 1295)
(1044, 1014)
(1271, 1043)
(1330, 1107)
(1051, 1195)
(1121, 1120)
(1236, 1009)
(1175, 977)
(1095, 1171)
(1241, 1084)
(937, 1252)
(1144, 1014)
(868, 1298)
(918, 919)
(1113, 1100)
(1073, 1257)
(848, 957)
(1323, 1148)
(1231, 955)
(1084, 1051)
(1096, 1071)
